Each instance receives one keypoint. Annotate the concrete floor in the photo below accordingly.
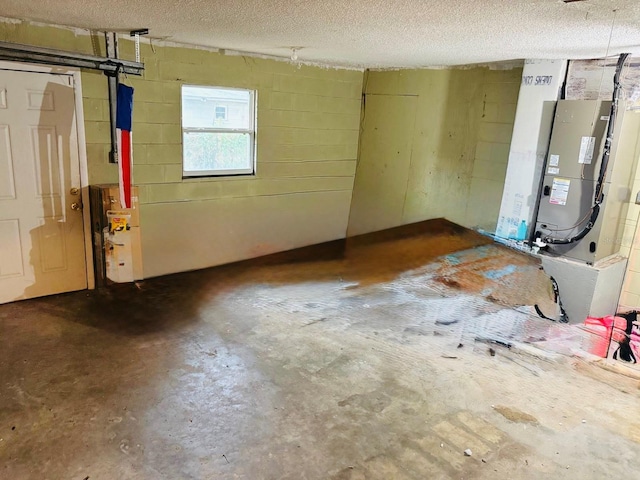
(339, 369)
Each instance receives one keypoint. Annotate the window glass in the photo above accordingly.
(218, 131)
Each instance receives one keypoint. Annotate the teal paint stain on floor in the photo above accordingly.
(497, 274)
(453, 259)
(469, 255)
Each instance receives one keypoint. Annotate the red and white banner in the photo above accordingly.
(124, 116)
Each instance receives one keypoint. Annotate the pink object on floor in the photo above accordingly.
(608, 329)
(600, 333)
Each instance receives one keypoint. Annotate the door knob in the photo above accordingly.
(76, 206)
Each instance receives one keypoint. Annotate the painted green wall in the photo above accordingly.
(308, 127)
(435, 143)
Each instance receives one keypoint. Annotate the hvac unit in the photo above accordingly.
(571, 178)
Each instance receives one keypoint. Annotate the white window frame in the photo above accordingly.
(253, 94)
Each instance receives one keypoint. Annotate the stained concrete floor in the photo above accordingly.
(337, 369)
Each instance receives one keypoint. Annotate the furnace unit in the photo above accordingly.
(571, 175)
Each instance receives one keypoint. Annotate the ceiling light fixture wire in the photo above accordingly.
(606, 55)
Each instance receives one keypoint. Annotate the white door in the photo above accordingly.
(41, 230)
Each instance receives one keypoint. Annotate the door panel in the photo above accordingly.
(11, 251)
(7, 180)
(41, 237)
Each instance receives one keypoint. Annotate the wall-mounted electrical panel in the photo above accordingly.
(117, 251)
(572, 168)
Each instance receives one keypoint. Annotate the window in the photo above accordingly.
(221, 113)
(218, 131)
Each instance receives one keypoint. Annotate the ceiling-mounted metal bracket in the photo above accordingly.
(31, 54)
(111, 42)
(140, 31)
(136, 34)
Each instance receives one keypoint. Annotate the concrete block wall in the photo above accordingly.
(630, 296)
(499, 91)
(441, 147)
(307, 142)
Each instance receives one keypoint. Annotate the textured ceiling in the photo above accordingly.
(365, 33)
